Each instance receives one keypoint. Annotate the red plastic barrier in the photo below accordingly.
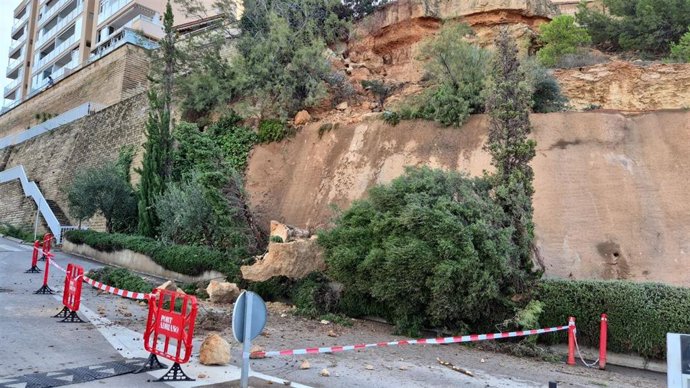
(34, 259)
(603, 334)
(171, 318)
(71, 296)
(571, 341)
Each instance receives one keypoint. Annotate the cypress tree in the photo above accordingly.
(157, 162)
(508, 105)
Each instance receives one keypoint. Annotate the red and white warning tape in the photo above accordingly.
(116, 291)
(428, 341)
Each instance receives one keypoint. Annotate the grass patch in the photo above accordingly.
(21, 233)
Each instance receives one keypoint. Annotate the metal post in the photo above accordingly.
(36, 223)
(571, 341)
(246, 348)
(603, 331)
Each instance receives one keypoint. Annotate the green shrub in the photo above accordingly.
(639, 314)
(185, 259)
(457, 71)
(120, 278)
(276, 239)
(21, 233)
(680, 52)
(546, 93)
(428, 250)
(185, 214)
(561, 36)
(272, 130)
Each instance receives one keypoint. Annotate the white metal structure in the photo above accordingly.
(31, 190)
(678, 360)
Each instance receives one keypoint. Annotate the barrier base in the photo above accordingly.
(44, 290)
(72, 317)
(42, 258)
(33, 269)
(152, 363)
(63, 313)
(175, 374)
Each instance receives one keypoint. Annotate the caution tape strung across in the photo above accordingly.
(116, 291)
(428, 341)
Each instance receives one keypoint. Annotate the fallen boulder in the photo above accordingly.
(222, 292)
(295, 260)
(215, 350)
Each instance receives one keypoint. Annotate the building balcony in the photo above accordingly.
(9, 88)
(125, 35)
(16, 43)
(45, 37)
(45, 14)
(110, 8)
(21, 21)
(59, 49)
(41, 81)
(14, 63)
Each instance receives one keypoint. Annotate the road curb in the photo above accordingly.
(14, 239)
(619, 359)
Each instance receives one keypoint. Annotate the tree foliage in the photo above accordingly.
(680, 52)
(105, 190)
(561, 36)
(649, 26)
(457, 70)
(508, 105)
(431, 249)
(544, 88)
(362, 8)
(157, 163)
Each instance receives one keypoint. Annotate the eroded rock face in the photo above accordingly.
(387, 42)
(215, 350)
(627, 86)
(295, 259)
(222, 292)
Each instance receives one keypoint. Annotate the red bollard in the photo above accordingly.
(571, 341)
(47, 241)
(603, 333)
(34, 259)
(44, 288)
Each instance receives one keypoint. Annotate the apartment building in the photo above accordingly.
(53, 38)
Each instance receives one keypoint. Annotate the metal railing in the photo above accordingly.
(49, 12)
(67, 20)
(18, 22)
(57, 50)
(14, 83)
(127, 35)
(48, 125)
(20, 41)
(12, 63)
(31, 190)
(111, 8)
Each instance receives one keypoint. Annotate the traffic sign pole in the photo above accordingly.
(244, 380)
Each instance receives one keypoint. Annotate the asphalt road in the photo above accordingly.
(36, 350)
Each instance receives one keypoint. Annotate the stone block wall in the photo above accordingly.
(119, 75)
(53, 159)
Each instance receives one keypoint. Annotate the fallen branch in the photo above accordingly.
(453, 367)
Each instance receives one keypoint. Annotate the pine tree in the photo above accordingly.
(508, 104)
(157, 163)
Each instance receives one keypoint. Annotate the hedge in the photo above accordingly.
(185, 259)
(639, 314)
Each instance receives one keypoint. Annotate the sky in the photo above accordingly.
(6, 19)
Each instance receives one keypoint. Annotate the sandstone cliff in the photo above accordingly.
(627, 86)
(611, 190)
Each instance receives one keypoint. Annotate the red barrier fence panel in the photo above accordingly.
(45, 289)
(71, 297)
(171, 319)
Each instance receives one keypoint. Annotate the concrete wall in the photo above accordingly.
(611, 200)
(117, 76)
(53, 159)
(136, 262)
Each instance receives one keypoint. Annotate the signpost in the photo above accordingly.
(248, 321)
